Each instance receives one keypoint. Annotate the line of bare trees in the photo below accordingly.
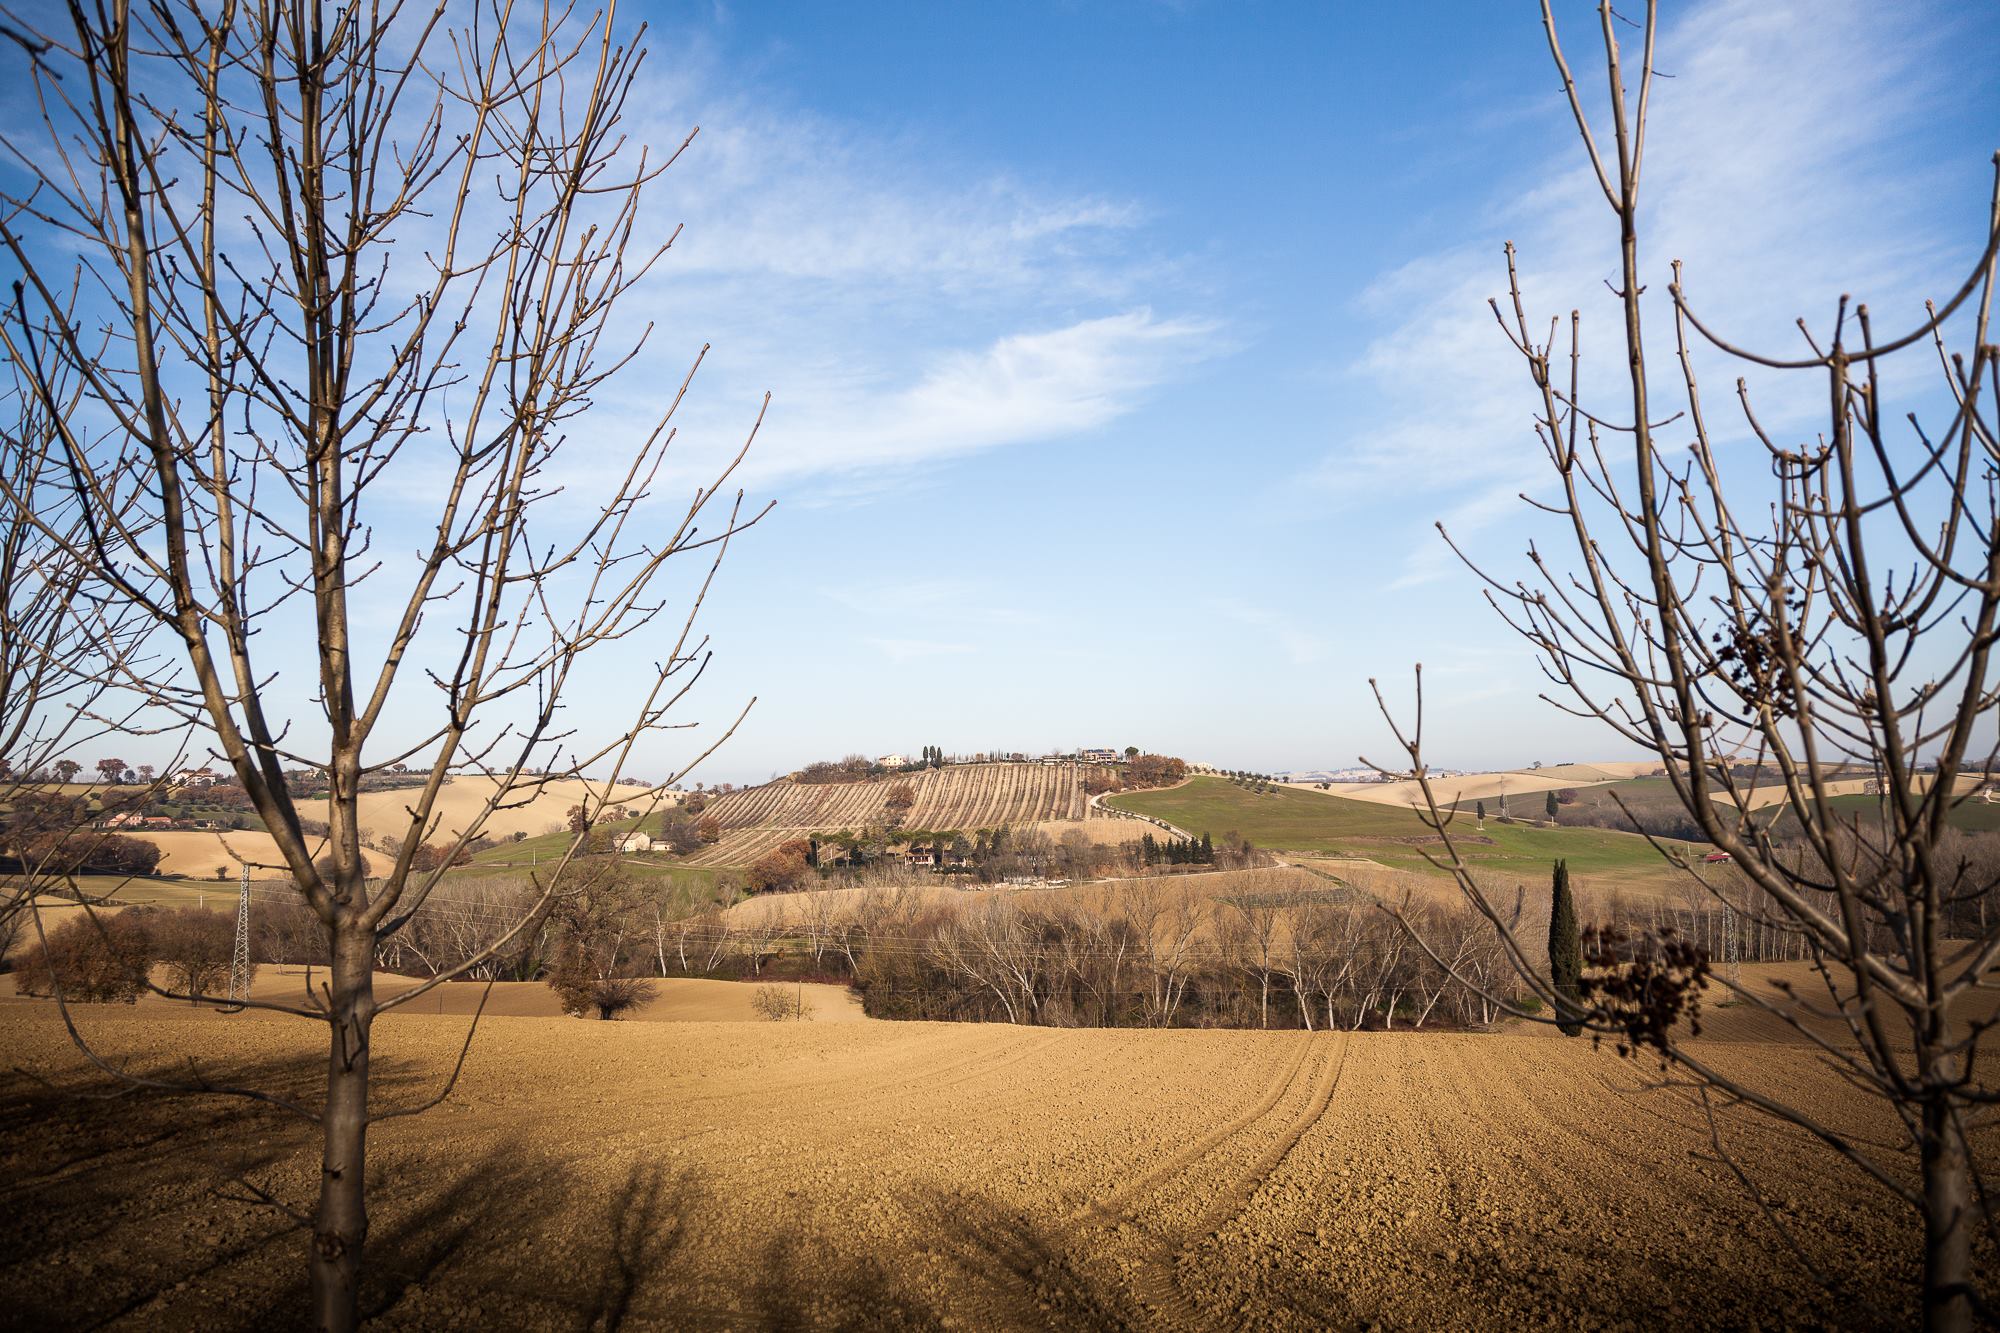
(1156, 957)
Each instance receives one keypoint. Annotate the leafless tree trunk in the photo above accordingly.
(1843, 624)
(1253, 944)
(325, 268)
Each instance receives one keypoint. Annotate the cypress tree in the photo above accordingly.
(1207, 850)
(1549, 805)
(1565, 954)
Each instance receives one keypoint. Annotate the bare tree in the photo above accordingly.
(288, 270)
(1842, 623)
(62, 647)
(1250, 941)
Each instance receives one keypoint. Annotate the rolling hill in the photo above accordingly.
(1294, 819)
(957, 796)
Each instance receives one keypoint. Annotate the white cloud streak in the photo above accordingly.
(1774, 214)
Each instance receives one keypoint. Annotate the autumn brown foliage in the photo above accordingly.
(102, 957)
(197, 947)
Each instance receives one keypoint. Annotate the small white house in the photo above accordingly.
(893, 760)
(636, 842)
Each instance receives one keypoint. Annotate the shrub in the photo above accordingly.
(97, 958)
(431, 855)
(1155, 770)
(198, 947)
(103, 853)
(780, 871)
(682, 835)
(580, 993)
(779, 1004)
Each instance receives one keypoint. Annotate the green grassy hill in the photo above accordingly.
(1289, 819)
(1972, 816)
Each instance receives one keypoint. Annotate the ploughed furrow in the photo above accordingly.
(1117, 1206)
(988, 799)
(930, 789)
(967, 794)
(1012, 793)
(980, 796)
(957, 797)
(735, 809)
(926, 1175)
(737, 847)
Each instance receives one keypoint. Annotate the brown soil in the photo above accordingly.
(675, 999)
(916, 1175)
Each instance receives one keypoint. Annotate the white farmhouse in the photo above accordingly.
(636, 842)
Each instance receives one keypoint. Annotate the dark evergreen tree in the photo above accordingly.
(1549, 806)
(1565, 954)
(1207, 851)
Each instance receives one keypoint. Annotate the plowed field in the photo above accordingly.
(959, 796)
(915, 1175)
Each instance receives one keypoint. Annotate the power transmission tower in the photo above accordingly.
(1732, 951)
(239, 966)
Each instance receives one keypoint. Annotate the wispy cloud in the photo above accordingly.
(1300, 645)
(1774, 214)
(1021, 387)
(906, 650)
(905, 305)
(959, 601)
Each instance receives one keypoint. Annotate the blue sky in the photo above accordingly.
(1124, 354)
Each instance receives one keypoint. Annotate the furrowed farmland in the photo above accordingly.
(918, 1175)
(1232, 870)
(957, 796)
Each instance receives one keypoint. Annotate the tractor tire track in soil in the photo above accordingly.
(1148, 1257)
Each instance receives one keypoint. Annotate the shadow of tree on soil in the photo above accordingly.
(122, 1203)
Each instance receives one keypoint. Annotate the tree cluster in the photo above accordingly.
(853, 768)
(1176, 851)
(1158, 959)
(108, 957)
(1154, 770)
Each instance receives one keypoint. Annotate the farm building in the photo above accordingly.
(636, 842)
(893, 760)
(133, 819)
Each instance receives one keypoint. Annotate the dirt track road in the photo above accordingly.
(918, 1175)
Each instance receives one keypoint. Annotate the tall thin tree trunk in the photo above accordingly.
(340, 1227)
(1948, 1219)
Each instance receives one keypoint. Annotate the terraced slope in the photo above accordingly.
(959, 796)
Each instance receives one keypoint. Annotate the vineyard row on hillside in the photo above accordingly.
(960, 796)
